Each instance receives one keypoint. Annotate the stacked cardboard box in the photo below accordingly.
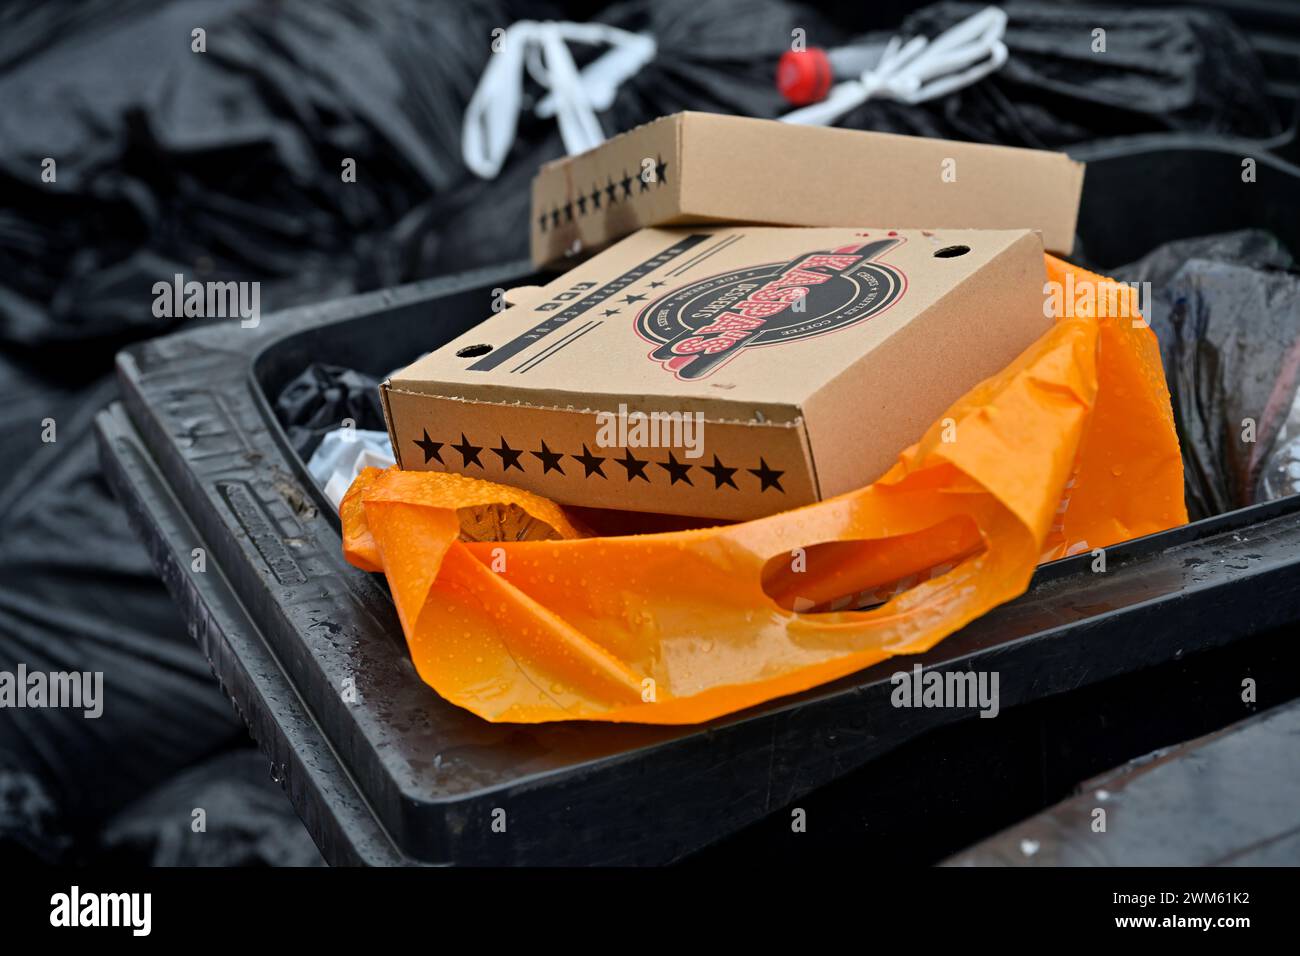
(730, 371)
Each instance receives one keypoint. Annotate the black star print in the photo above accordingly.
(721, 474)
(595, 195)
(629, 299)
(541, 222)
(568, 212)
(509, 456)
(582, 205)
(676, 469)
(767, 477)
(468, 452)
(555, 217)
(432, 449)
(635, 466)
(655, 285)
(608, 312)
(660, 168)
(627, 185)
(610, 190)
(591, 463)
(550, 459)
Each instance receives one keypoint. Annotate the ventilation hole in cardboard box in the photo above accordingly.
(951, 252)
(473, 351)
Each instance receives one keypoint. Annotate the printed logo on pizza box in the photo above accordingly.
(702, 326)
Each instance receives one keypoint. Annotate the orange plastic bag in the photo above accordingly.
(1070, 448)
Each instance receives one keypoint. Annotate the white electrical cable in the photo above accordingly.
(919, 69)
(542, 49)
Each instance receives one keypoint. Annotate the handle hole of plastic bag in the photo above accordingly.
(861, 574)
(473, 351)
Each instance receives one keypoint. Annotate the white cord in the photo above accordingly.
(919, 69)
(542, 49)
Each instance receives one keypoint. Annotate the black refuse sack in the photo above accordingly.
(320, 398)
(227, 164)
(715, 57)
(1162, 70)
(32, 828)
(226, 811)
(1227, 313)
(78, 594)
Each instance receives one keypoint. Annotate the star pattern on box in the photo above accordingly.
(591, 464)
(635, 466)
(677, 471)
(615, 189)
(768, 478)
(550, 459)
(468, 452)
(722, 475)
(547, 458)
(509, 456)
(432, 449)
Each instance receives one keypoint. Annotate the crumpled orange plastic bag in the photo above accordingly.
(1070, 448)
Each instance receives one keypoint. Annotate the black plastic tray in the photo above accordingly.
(401, 776)
(1229, 799)
(1143, 191)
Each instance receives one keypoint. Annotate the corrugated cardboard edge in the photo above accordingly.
(795, 421)
(384, 388)
(549, 174)
(692, 190)
(765, 413)
(672, 119)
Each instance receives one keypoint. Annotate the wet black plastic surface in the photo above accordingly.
(1229, 799)
(395, 773)
(951, 787)
(1142, 192)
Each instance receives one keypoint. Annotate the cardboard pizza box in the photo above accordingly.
(726, 372)
(703, 167)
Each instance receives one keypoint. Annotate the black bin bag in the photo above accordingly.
(221, 165)
(1226, 310)
(713, 57)
(226, 811)
(1161, 70)
(226, 164)
(78, 595)
(321, 398)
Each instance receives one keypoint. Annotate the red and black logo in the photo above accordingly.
(702, 326)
